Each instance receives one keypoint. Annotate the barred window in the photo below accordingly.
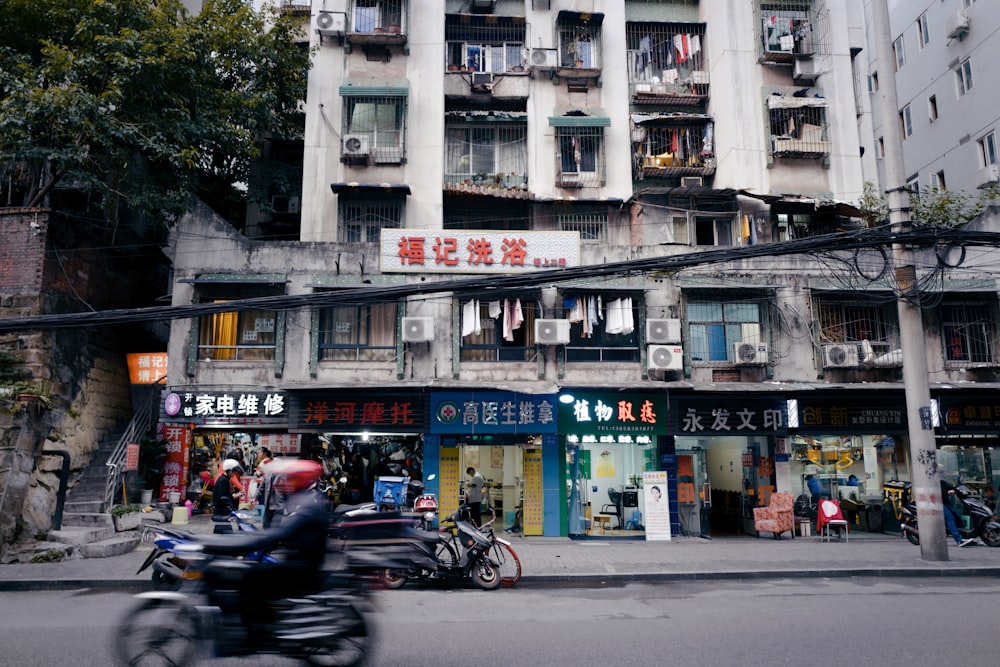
(494, 154)
(362, 218)
(602, 327)
(592, 224)
(579, 42)
(969, 331)
(717, 327)
(374, 128)
(581, 156)
(666, 52)
(485, 43)
(376, 15)
(493, 337)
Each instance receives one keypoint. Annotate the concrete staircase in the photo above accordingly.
(88, 530)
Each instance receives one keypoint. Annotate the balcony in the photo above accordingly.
(673, 145)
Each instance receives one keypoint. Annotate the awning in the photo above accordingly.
(779, 101)
(581, 118)
(236, 279)
(640, 118)
(375, 88)
(395, 188)
(585, 18)
(816, 203)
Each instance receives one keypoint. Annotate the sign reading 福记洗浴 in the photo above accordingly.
(450, 251)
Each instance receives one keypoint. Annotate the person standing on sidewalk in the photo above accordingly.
(474, 493)
(951, 515)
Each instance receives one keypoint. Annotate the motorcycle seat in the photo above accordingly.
(233, 544)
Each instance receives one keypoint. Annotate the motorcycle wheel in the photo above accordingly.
(912, 537)
(485, 575)
(990, 534)
(157, 632)
(349, 648)
(161, 582)
(391, 579)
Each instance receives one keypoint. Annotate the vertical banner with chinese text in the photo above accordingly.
(176, 467)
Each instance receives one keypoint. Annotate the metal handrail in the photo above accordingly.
(134, 432)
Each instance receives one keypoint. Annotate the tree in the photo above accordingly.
(934, 207)
(141, 105)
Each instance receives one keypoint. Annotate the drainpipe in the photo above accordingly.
(63, 484)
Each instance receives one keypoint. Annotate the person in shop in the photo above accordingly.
(474, 494)
(226, 494)
(951, 515)
(853, 481)
(815, 488)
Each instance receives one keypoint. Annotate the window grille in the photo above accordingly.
(715, 327)
(788, 30)
(798, 131)
(358, 333)
(242, 336)
(969, 331)
(489, 343)
(490, 154)
(851, 322)
(677, 149)
(602, 340)
(485, 43)
(579, 44)
(592, 225)
(581, 156)
(790, 225)
(362, 218)
(378, 125)
(376, 15)
(671, 54)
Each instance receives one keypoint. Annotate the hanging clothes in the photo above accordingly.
(681, 47)
(628, 321)
(613, 321)
(575, 312)
(470, 318)
(494, 309)
(513, 318)
(593, 314)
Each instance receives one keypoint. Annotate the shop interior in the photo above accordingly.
(974, 461)
(604, 487)
(501, 463)
(718, 484)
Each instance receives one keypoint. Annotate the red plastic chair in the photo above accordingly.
(829, 515)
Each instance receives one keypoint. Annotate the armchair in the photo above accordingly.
(777, 517)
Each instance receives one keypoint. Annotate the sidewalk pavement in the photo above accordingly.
(604, 562)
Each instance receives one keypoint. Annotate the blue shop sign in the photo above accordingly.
(493, 413)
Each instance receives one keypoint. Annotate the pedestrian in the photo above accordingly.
(263, 458)
(272, 497)
(474, 494)
(227, 492)
(952, 516)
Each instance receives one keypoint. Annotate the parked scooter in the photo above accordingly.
(457, 552)
(169, 562)
(982, 523)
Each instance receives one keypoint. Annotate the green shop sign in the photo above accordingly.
(612, 417)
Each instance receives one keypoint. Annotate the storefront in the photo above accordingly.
(361, 435)
(968, 442)
(731, 451)
(612, 442)
(205, 426)
(511, 439)
(855, 444)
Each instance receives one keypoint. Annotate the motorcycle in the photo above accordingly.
(455, 553)
(167, 556)
(982, 523)
(328, 627)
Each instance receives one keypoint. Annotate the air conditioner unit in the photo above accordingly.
(804, 71)
(750, 354)
(840, 356)
(285, 204)
(551, 332)
(356, 145)
(418, 329)
(665, 357)
(482, 78)
(331, 24)
(544, 57)
(692, 181)
(959, 25)
(663, 331)
(994, 172)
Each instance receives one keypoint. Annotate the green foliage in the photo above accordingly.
(874, 205)
(152, 454)
(139, 103)
(119, 510)
(937, 208)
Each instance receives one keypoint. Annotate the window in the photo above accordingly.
(374, 128)
(905, 123)
(487, 154)
(238, 336)
(937, 181)
(798, 127)
(579, 44)
(988, 150)
(581, 156)
(786, 29)
(489, 334)
(900, 54)
(358, 333)
(377, 15)
(362, 218)
(602, 327)
(963, 75)
(716, 327)
(673, 149)
(796, 222)
(932, 110)
(713, 231)
(881, 148)
(851, 322)
(969, 332)
(591, 224)
(666, 52)
(484, 43)
(923, 32)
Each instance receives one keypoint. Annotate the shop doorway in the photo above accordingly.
(715, 470)
(502, 465)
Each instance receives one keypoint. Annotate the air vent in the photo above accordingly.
(750, 354)
(663, 331)
(551, 332)
(665, 357)
(418, 329)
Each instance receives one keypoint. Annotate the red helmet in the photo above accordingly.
(295, 475)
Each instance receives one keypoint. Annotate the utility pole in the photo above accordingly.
(923, 450)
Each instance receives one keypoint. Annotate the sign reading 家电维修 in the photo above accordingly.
(438, 251)
(496, 412)
(224, 407)
(612, 417)
(728, 414)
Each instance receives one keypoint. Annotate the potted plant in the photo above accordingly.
(126, 517)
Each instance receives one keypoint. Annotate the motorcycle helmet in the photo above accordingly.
(232, 464)
(294, 475)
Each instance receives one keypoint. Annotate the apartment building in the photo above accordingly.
(629, 154)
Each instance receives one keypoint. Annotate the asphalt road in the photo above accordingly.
(836, 622)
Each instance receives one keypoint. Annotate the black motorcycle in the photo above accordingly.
(982, 522)
(328, 626)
